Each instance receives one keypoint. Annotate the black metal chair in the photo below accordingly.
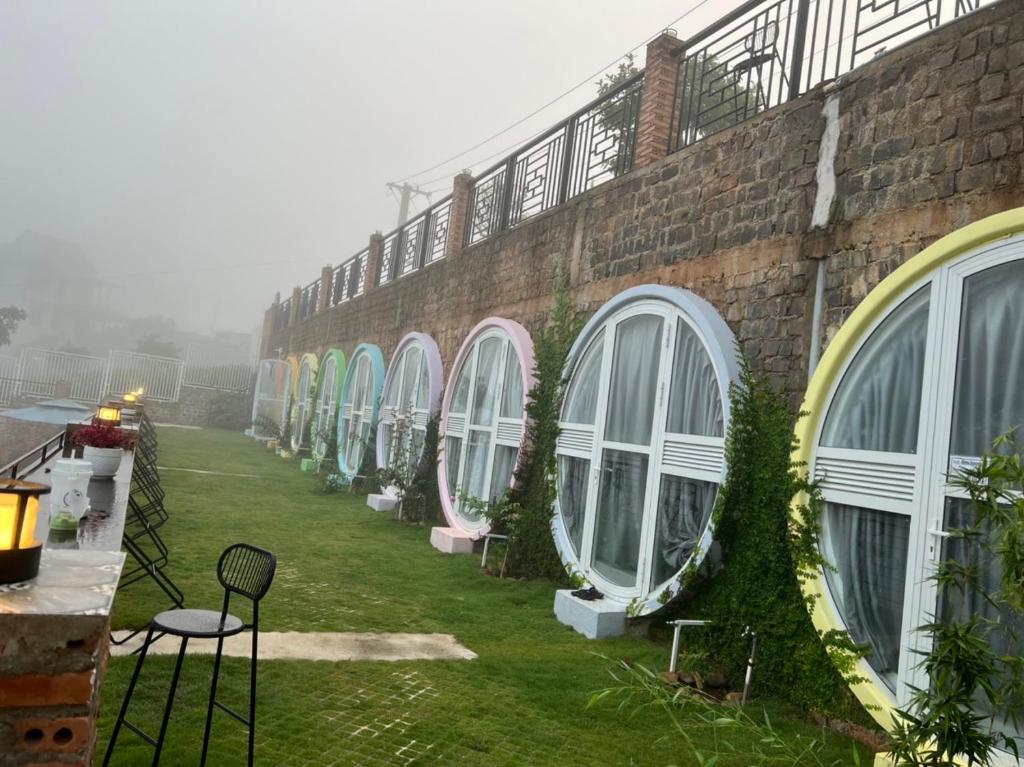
(244, 570)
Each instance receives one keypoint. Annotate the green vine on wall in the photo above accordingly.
(761, 553)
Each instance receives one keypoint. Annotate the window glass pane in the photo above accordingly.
(475, 476)
(460, 399)
(504, 466)
(634, 381)
(581, 397)
(452, 456)
(485, 385)
(978, 557)
(387, 434)
(620, 508)
(416, 448)
(412, 358)
(423, 386)
(878, 403)
(394, 385)
(868, 550)
(684, 508)
(573, 484)
(512, 396)
(989, 398)
(695, 404)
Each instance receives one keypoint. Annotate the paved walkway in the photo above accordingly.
(328, 646)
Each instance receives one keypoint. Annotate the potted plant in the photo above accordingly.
(104, 446)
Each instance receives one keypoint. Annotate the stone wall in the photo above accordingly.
(208, 408)
(917, 143)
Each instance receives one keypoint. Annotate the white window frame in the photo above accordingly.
(354, 415)
(706, 454)
(326, 403)
(417, 416)
(306, 381)
(929, 464)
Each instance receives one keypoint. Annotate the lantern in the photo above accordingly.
(20, 545)
(109, 414)
(130, 398)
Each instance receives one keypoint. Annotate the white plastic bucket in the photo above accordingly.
(70, 479)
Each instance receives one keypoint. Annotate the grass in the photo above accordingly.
(343, 567)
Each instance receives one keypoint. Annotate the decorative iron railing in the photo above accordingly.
(758, 56)
(593, 145)
(767, 52)
(35, 458)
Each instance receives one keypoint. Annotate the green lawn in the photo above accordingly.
(343, 567)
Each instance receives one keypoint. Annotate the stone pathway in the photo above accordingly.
(327, 646)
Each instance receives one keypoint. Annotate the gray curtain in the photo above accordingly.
(485, 385)
(684, 508)
(452, 456)
(501, 472)
(695, 404)
(573, 481)
(581, 397)
(634, 380)
(512, 393)
(990, 364)
(878, 404)
(868, 550)
(619, 520)
(475, 475)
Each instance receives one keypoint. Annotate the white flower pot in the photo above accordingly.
(105, 460)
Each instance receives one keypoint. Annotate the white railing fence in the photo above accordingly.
(41, 370)
(210, 369)
(159, 377)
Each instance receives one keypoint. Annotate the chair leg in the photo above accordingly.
(252, 692)
(127, 697)
(170, 701)
(213, 697)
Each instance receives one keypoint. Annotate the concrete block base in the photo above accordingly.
(448, 540)
(595, 620)
(381, 502)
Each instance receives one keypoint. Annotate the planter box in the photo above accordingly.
(105, 460)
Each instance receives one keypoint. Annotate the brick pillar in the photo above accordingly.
(657, 99)
(293, 308)
(462, 197)
(373, 261)
(326, 275)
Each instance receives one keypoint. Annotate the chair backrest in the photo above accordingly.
(246, 570)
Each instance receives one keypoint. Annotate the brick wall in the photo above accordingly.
(930, 139)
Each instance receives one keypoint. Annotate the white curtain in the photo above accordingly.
(868, 550)
(412, 358)
(581, 397)
(634, 380)
(620, 516)
(990, 365)
(474, 478)
(452, 456)
(684, 508)
(501, 472)
(423, 386)
(878, 404)
(1007, 637)
(512, 392)
(695, 404)
(485, 385)
(573, 481)
(460, 399)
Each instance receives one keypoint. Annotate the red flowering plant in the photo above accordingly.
(102, 436)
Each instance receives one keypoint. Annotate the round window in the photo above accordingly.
(412, 389)
(918, 382)
(360, 399)
(642, 439)
(303, 401)
(328, 395)
(270, 401)
(483, 420)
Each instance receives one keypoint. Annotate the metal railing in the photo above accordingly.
(213, 369)
(40, 370)
(35, 458)
(160, 377)
(758, 56)
(593, 145)
(767, 52)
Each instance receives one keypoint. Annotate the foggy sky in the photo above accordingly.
(177, 140)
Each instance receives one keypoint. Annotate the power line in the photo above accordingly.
(555, 100)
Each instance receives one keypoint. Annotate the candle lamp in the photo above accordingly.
(20, 544)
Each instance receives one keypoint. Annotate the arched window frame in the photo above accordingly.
(330, 379)
(430, 360)
(302, 406)
(691, 456)
(507, 432)
(911, 485)
(273, 391)
(367, 411)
